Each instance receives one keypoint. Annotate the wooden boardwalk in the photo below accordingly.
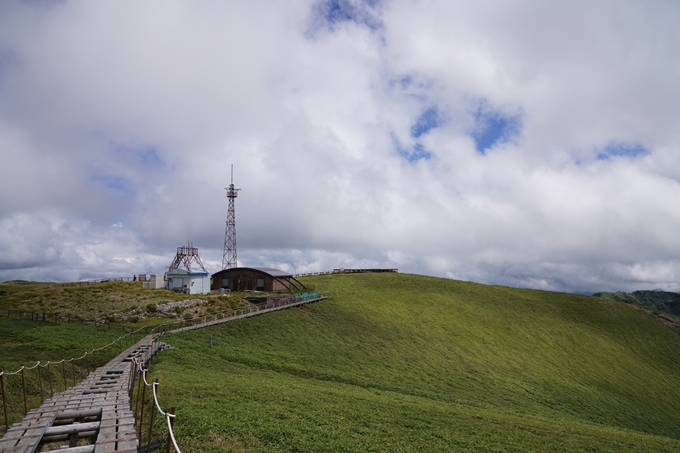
(95, 412)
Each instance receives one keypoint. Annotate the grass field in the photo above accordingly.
(100, 301)
(24, 342)
(398, 362)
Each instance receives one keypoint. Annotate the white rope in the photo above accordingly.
(168, 416)
(81, 357)
(10, 374)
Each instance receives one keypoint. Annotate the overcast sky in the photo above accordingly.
(526, 143)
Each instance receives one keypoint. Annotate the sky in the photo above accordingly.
(527, 143)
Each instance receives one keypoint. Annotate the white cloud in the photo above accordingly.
(119, 122)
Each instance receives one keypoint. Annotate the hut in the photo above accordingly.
(255, 279)
(193, 281)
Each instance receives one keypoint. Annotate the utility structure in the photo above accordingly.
(191, 280)
(229, 259)
(186, 255)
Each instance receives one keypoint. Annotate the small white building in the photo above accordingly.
(156, 281)
(193, 281)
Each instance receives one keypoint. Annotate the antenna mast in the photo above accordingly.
(229, 256)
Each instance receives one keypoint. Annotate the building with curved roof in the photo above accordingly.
(255, 279)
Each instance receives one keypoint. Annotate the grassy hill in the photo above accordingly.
(657, 300)
(100, 301)
(392, 362)
(396, 362)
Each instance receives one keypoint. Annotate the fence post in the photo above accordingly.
(172, 423)
(49, 374)
(63, 372)
(73, 370)
(42, 399)
(4, 401)
(23, 386)
(153, 412)
(139, 388)
(141, 414)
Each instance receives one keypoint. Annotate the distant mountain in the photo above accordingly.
(657, 300)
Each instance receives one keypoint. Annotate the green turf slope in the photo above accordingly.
(396, 362)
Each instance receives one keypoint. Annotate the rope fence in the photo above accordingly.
(139, 366)
(26, 392)
(139, 379)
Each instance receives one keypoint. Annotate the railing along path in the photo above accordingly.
(99, 407)
(211, 320)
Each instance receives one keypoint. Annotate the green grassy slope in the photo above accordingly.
(398, 362)
(24, 342)
(100, 301)
(658, 300)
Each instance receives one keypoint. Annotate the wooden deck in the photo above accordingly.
(98, 410)
(95, 411)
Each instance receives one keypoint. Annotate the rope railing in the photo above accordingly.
(139, 364)
(139, 374)
(40, 367)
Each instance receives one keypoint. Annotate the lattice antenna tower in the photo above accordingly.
(186, 255)
(229, 259)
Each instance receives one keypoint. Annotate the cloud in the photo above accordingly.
(533, 144)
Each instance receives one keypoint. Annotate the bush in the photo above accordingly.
(151, 308)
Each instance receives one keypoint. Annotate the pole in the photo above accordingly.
(141, 414)
(4, 401)
(153, 412)
(49, 374)
(23, 386)
(42, 399)
(172, 423)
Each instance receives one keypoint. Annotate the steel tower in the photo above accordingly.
(229, 256)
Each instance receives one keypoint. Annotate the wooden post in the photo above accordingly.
(210, 338)
(49, 374)
(139, 384)
(63, 373)
(141, 414)
(172, 423)
(153, 412)
(42, 399)
(73, 370)
(23, 386)
(4, 401)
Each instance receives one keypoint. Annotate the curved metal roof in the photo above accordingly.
(265, 270)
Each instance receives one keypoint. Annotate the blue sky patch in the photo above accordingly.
(148, 157)
(329, 13)
(412, 154)
(427, 121)
(493, 127)
(622, 149)
(117, 183)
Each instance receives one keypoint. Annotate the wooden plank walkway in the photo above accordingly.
(98, 408)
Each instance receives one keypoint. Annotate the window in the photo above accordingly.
(260, 283)
(225, 282)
